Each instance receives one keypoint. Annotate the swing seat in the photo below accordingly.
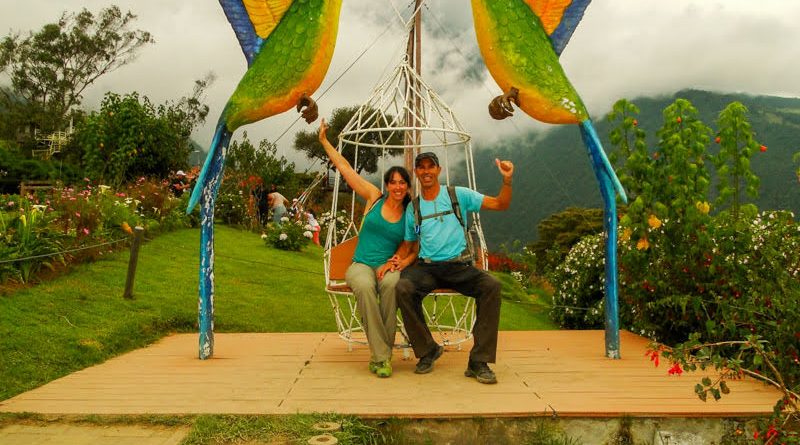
(341, 256)
(447, 315)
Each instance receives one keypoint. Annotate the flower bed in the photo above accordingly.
(50, 230)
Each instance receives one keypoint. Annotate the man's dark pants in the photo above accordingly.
(420, 279)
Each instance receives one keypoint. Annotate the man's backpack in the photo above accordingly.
(469, 254)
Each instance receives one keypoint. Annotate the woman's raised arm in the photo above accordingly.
(361, 186)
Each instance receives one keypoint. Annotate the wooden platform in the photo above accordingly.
(539, 373)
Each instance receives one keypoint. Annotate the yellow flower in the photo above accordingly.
(703, 207)
(653, 222)
(626, 234)
(127, 228)
(642, 244)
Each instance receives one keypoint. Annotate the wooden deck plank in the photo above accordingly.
(539, 373)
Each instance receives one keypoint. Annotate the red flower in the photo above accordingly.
(679, 120)
(653, 356)
(675, 369)
(771, 432)
(755, 434)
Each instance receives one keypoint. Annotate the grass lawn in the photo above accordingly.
(80, 319)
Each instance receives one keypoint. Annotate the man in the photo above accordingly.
(442, 263)
(178, 183)
(277, 203)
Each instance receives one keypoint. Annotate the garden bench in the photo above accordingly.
(26, 187)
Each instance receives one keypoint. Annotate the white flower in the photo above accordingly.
(263, 236)
(283, 237)
(39, 207)
(308, 227)
(284, 219)
(307, 234)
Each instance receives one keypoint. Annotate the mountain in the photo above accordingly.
(552, 170)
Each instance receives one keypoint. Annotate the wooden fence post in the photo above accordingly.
(134, 259)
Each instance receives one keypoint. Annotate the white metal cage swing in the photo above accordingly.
(403, 115)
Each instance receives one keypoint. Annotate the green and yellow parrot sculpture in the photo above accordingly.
(288, 45)
(521, 41)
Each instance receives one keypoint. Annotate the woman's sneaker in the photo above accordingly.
(373, 367)
(385, 369)
(481, 371)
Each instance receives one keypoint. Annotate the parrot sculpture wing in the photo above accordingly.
(288, 45)
(521, 41)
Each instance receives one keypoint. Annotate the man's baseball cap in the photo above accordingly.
(427, 155)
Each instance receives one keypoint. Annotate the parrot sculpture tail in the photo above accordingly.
(521, 41)
(288, 45)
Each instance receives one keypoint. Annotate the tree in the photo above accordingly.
(631, 144)
(245, 160)
(130, 137)
(796, 160)
(49, 70)
(664, 241)
(560, 231)
(308, 142)
(737, 144)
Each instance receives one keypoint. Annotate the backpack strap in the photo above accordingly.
(451, 190)
(456, 209)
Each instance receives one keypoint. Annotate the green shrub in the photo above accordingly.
(29, 239)
(231, 207)
(579, 285)
(290, 235)
(689, 271)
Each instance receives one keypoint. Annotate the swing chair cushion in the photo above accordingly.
(341, 257)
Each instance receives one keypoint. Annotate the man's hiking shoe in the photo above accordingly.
(481, 371)
(384, 369)
(373, 367)
(425, 364)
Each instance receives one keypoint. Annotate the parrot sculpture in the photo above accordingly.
(521, 41)
(288, 45)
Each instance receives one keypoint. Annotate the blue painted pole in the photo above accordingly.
(211, 181)
(612, 301)
(608, 184)
(205, 305)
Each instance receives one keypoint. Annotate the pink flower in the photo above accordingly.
(78, 214)
(11, 203)
(85, 231)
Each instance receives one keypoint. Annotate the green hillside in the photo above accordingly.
(553, 171)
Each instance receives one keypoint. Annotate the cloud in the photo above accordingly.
(622, 48)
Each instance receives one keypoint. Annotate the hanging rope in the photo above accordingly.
(336, 80)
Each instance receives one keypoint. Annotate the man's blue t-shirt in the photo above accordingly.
(441, 238)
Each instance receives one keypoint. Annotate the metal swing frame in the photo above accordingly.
(402, 105)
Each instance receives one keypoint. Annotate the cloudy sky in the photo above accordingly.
(622, 48)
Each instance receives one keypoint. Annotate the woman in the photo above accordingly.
(311, 217)
(376, 268)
